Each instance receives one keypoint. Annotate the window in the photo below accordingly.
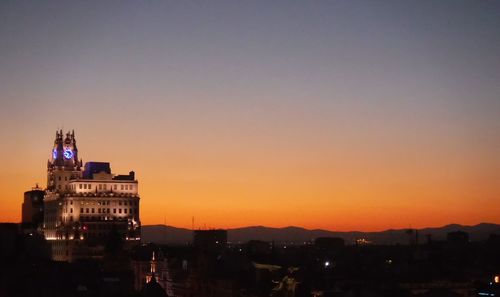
(125, 203)
(105, 186)
(120, 210)
(90, 186)
(125, 210)
(59, 177)
(87, 210)
(108, 210)
(121, 187)
(114, 210)
(81, 210)
(71, 202)
(85, 186)
(100, 187)
(65, 178)
(99, 210)
(119, 203)
(131, 187)
(93, 210)
(115, 187)
(71, 210)
(80, 186)
(126, 187)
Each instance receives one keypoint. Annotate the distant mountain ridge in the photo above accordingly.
(172, 235)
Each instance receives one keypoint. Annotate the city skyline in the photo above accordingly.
(341, 116)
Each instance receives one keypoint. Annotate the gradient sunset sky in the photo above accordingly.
(342, 115)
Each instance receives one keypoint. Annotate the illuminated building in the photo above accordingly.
(83, 206)
(153, 270)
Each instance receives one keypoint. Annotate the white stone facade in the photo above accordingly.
(82, 206)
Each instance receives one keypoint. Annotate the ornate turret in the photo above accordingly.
(64, 159)
(65, 152)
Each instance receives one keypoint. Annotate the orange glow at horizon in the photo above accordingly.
(224, 188)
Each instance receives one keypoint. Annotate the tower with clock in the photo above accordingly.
(64, 164)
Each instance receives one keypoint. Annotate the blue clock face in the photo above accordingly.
(68, 154)
(54, 154)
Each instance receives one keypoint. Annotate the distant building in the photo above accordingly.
(329, 243)
(32, 208)
(155, 267)
(9, 234)
(81, 207)
(457, 237)
(210, 239)
(258, 247)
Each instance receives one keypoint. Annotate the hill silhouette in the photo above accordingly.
(173, 235)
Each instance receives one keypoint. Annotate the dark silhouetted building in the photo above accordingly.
(32, 208)
(457, 237)
(9, 235)
(210, 239)
(328, 243)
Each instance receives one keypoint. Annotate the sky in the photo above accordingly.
(340, 115)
